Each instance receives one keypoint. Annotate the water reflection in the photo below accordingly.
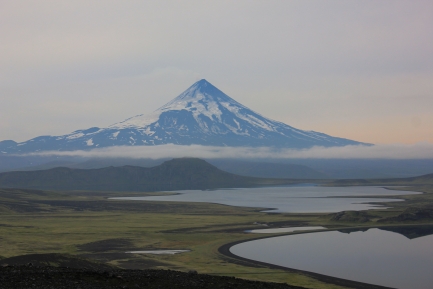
(410, 232)
(399, 257)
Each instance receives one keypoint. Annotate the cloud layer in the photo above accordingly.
(393, 151)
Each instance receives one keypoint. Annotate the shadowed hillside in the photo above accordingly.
(176, 174)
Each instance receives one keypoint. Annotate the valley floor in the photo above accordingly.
(88, 225)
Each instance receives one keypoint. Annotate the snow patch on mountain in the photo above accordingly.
(77, 135)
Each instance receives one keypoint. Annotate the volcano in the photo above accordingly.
(201, 115)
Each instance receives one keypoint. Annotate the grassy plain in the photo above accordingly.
(89, 225)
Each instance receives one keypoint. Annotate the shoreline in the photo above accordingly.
(230, 257)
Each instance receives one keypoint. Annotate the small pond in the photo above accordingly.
(284, 230)
(159, 252)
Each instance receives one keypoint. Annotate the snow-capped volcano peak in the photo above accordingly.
(203, 91)
(202, 115)
(201, 98)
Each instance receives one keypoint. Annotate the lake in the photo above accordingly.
(376, 256)
(293, 199)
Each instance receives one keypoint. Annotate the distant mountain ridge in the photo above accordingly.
(310, 168)
(237, 167)
(176, 174)
(201, 115)
(412, 181)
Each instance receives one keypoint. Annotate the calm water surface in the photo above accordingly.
(376, 256)
(293, 199)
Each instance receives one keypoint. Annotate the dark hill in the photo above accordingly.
(176, 174)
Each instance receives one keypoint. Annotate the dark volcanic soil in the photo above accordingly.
(17, 277)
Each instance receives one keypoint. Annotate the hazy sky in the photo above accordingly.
(356, 69)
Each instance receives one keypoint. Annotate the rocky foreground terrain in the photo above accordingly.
(29, 276)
